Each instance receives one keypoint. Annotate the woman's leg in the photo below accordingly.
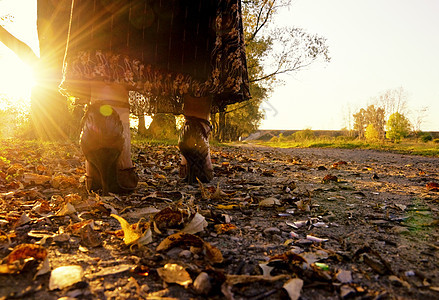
(194, 140)
(108, 132)
(197, 107)
(112, 94)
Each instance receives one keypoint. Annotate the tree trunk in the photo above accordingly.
(221, 126)
(141, 130)
(214, 126)
(50, 116)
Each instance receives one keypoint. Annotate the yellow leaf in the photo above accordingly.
(133, 234)
(173, 273)
(227, 207)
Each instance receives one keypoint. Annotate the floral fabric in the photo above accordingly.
(160, 89)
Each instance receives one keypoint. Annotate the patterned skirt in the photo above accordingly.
(160, 50)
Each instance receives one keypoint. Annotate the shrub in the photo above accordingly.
(436, 141)
(425, 137)
(303, 135)
(371, 133)
(398, 127)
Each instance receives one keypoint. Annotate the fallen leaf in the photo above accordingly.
(44, 267)
(117, 269)
(180, 239)
(67, 209)
(24, 219)
(432, 186)
(213, 254)
(266, 269)
(168, 218)
(23, 253)
(329, 178)
(134, 233)
(293, 288)
(186, 240)
(89, 237)
(269, 202)
(338, 164)
(29, 178)
(205, 195)
(218, 194)
(227, 207)
(141, 212)
(315, 239)
(197, 224)
(65, 276)
(174, 273)
(225, 228)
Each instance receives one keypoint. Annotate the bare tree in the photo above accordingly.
(419, 118)
(392, 101)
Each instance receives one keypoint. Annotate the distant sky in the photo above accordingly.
(375, 45)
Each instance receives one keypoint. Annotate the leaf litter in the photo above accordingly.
(272, 224)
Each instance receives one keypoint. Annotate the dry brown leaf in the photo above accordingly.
(168, 218)
(62, 182)
(213, 254)
(180, 239)
(89, 237)
(186, 240)
(205, 194)
(17, 259)
(432, 186)
(29, 178)
(67, 209)
(338, 164)
(225, 228)
(76, 227)
(174, 273)
(329, 178)
(218, 194)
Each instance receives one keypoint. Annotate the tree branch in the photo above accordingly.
(23, 51)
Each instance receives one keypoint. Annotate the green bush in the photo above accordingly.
(425, 137)
(303, 135)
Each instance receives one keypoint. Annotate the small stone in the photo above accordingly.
(400, 230)
(272, 230)
(185, 254)
(269, 202)
(346, 291)
(202, 284)
(174, 252)
(344, 276)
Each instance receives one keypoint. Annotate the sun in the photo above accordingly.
(16, 77)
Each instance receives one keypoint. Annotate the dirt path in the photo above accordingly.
(324, 223)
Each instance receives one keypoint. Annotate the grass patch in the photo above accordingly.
(405, 147)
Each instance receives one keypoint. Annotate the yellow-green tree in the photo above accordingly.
(365, 117)
(398, 127)
(271, 51)
(372, 134)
